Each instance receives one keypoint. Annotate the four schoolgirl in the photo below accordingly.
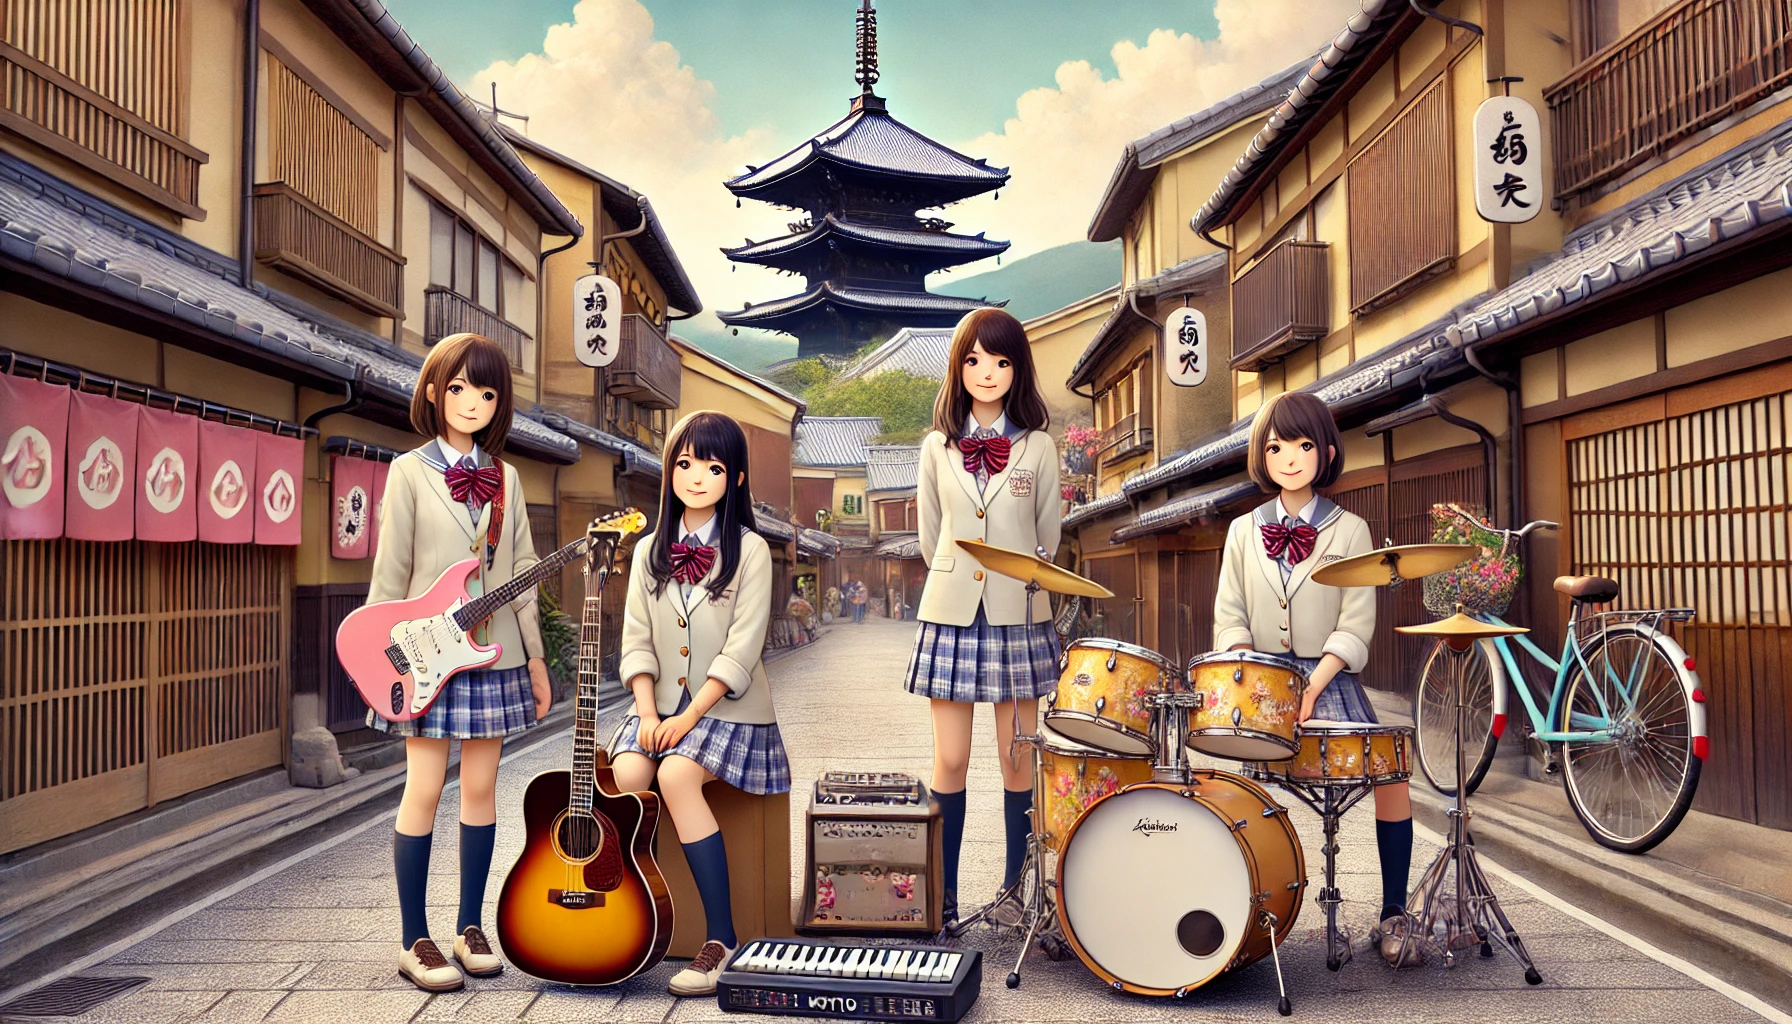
(988, 472)
(1268, 602)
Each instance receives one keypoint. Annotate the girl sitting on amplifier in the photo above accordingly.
(699, 601)
(988, 472)
(1267, 602)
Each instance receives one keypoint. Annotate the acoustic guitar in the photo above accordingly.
(401, 654)
(585, 903)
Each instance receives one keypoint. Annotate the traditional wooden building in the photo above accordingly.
(863, 252)
(1617, 364)
(255, 218)
(1160, 569)
(829, 465)
(891, 474)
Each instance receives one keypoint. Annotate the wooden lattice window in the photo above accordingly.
(103, 83)
(852, 504)
(1402, 199)
(318, 152)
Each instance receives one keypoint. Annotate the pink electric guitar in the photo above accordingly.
(400, 654)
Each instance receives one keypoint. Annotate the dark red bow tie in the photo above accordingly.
(1297, 541)
(691, 562)
(482, 484)
(984, 453)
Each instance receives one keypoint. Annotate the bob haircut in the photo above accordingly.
(1291, 415)
(713, 437)
(1001, 335)
(484, 364)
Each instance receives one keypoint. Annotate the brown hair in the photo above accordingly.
(484, 364)
(1001, 335)
(1290, 415)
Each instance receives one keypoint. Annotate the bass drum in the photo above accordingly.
(1157, 882)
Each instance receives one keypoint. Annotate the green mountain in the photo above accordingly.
(1036, 284)
(1047, 280)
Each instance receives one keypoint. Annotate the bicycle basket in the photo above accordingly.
(1485, 585)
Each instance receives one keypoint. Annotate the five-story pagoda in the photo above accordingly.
(862, 248)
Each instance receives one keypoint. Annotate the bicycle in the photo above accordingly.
(1626, 716)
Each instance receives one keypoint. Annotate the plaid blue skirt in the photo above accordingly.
(478, 705)
(984, 663)
(748, 757)
(1342, 700)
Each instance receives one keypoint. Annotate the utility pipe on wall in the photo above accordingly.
(245, 242)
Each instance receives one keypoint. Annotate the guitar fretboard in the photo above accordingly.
(584, 729)
(480, 608)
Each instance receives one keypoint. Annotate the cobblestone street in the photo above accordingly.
(316, 942)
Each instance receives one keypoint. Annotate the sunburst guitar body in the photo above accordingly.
(585, 904)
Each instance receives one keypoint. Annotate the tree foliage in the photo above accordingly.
(903, 399)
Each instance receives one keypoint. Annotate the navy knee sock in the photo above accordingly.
(951, 837)
(1015, 805)
(475, 866)
(1393, 840)
(708, 859)
(410, 860)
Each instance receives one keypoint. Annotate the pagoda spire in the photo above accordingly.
(865, 65)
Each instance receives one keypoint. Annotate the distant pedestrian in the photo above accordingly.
(857, 595)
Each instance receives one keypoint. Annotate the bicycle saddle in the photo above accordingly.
(1592, 589)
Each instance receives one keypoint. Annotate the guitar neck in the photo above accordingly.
(480, 608)
(584, 730)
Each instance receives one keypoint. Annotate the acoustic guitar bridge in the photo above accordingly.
(395, 655)
(575, 899)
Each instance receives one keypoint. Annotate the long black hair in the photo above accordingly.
(714, 437)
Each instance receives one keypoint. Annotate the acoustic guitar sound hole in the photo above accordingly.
(579, 836)
(1200, 933)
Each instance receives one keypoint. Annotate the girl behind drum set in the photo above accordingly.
(1268, 603)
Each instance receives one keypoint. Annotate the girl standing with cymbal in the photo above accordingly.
(1267, 602)
(988, 472)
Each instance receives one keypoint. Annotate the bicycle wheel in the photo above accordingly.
(1632, 790)
(1434, 714)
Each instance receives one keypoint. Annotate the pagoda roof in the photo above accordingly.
(874, 300)
(957, 248)
(869, 139)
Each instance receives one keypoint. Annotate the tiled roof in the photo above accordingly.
(1745, 191)
(892, 467)
(65, 231)
(768, 523)
(870, 138)
(963, 248)
(902, 545)
(1192, 274)
(1315, 86)
(635, 459)
(876, 299)
(921, 351)
(1091, 509)
(1208, 501)
(834, 440)
(817, 543)
(1138, 162)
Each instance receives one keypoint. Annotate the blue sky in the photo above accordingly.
(952, 67)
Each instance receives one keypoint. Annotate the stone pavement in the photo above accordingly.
(316, 942)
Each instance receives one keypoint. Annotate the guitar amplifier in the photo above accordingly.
(873, 857)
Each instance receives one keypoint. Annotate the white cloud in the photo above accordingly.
(605, 91)
(1063, 143)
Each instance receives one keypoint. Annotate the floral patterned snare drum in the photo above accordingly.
(1073, 776)
(1343, 754)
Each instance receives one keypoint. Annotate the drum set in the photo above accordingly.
(1115, 796)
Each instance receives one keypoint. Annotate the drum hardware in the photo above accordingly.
(1268, 920)
(1475, 906)
(1393, 565)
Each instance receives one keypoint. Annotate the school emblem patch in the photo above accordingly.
(1020, 483)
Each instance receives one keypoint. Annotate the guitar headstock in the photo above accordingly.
(618, 525)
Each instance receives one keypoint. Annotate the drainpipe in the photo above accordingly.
(1489, 448)
(604, 240)
(245, 243)
(1515, 427)
(541, 306)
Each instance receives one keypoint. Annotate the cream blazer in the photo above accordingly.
(1299, 617)
(683, 643)
(1019, 509)
(423, 531)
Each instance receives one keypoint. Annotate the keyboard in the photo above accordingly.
(811, 978)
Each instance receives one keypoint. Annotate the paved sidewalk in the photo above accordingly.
(316, 943)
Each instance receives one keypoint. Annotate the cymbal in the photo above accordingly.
(1033, 569)
(1461, 627)
(1387, 565)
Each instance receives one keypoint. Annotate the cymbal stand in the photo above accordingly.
(1330, 803)
(1477, 916)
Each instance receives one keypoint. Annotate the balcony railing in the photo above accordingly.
(63, 115)
(647, 370)
(1123, 439)
(1280, 304)
(446, 312)
(310, 243)
(1686, 69)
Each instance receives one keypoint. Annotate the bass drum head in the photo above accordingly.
(1155, 892)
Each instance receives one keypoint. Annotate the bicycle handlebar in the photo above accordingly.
(1539, 524)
